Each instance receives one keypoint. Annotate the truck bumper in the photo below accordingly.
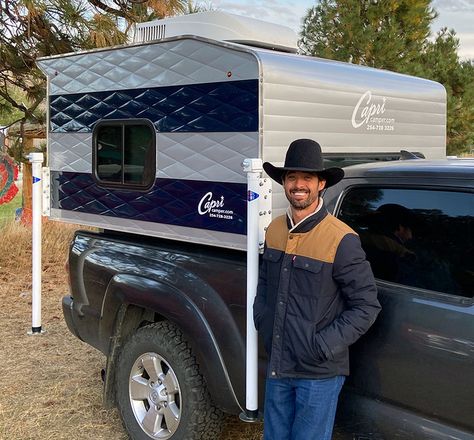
(68, 312)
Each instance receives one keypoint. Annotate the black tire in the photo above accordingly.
(160, 392)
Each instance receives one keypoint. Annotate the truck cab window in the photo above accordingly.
(124, 153)
(419, 238)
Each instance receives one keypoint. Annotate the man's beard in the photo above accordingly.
(302, 204)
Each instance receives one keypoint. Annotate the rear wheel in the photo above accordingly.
(160, 392)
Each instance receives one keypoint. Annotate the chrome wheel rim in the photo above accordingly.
(155, 396)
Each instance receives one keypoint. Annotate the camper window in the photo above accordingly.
(124, 153)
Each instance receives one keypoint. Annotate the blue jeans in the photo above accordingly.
(300, 409)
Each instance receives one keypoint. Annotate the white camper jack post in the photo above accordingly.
(36, 160)
(258, 218)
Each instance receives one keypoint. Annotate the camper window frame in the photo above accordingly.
(121, 185)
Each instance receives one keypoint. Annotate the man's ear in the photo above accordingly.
(322, 184)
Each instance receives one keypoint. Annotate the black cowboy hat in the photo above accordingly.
(304, 155)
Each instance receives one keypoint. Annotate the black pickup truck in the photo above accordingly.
(170, 316)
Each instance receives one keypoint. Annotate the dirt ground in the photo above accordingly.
(50, 384)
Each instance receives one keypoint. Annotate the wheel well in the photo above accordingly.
(135, 317)
(129, 319)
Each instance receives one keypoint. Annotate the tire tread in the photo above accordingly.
(205, 420)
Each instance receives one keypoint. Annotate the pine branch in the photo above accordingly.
(106, 8)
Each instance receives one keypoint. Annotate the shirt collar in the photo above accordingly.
(293, 226)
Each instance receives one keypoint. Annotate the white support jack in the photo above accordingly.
(36, 159)
(258, 217)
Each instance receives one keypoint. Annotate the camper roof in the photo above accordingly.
(220, 26)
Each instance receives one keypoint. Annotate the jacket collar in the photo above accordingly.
(308, 222)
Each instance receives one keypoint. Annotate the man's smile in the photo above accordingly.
(299, 193)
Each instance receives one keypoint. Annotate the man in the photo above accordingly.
(316, 296)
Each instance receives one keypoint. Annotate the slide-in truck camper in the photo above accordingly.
(149, 137)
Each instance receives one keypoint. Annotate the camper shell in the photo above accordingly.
(149, 138)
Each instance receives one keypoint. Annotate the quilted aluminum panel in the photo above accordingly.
(172, 232)
(179, 62)
(70, 152)
(187, 156)
(230, 106)
(204, 205)
(205, 156)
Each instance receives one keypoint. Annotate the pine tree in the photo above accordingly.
(376, 33)
(440, 62)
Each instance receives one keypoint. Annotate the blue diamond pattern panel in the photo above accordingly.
(214, 107)
(207, 205)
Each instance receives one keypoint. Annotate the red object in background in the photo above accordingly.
(8, 175)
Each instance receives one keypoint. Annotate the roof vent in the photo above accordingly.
(220, 26)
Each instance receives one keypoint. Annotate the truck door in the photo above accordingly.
(419, 355)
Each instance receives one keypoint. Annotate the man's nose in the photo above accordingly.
(299, 183)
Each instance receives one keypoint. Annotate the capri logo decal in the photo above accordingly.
(214, 207)
(369, 114)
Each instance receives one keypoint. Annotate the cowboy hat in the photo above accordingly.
(304, 155)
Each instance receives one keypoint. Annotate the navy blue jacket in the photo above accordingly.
(316, 296)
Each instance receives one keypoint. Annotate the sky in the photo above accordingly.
(453, 14)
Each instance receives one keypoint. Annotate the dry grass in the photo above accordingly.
(50, 386)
